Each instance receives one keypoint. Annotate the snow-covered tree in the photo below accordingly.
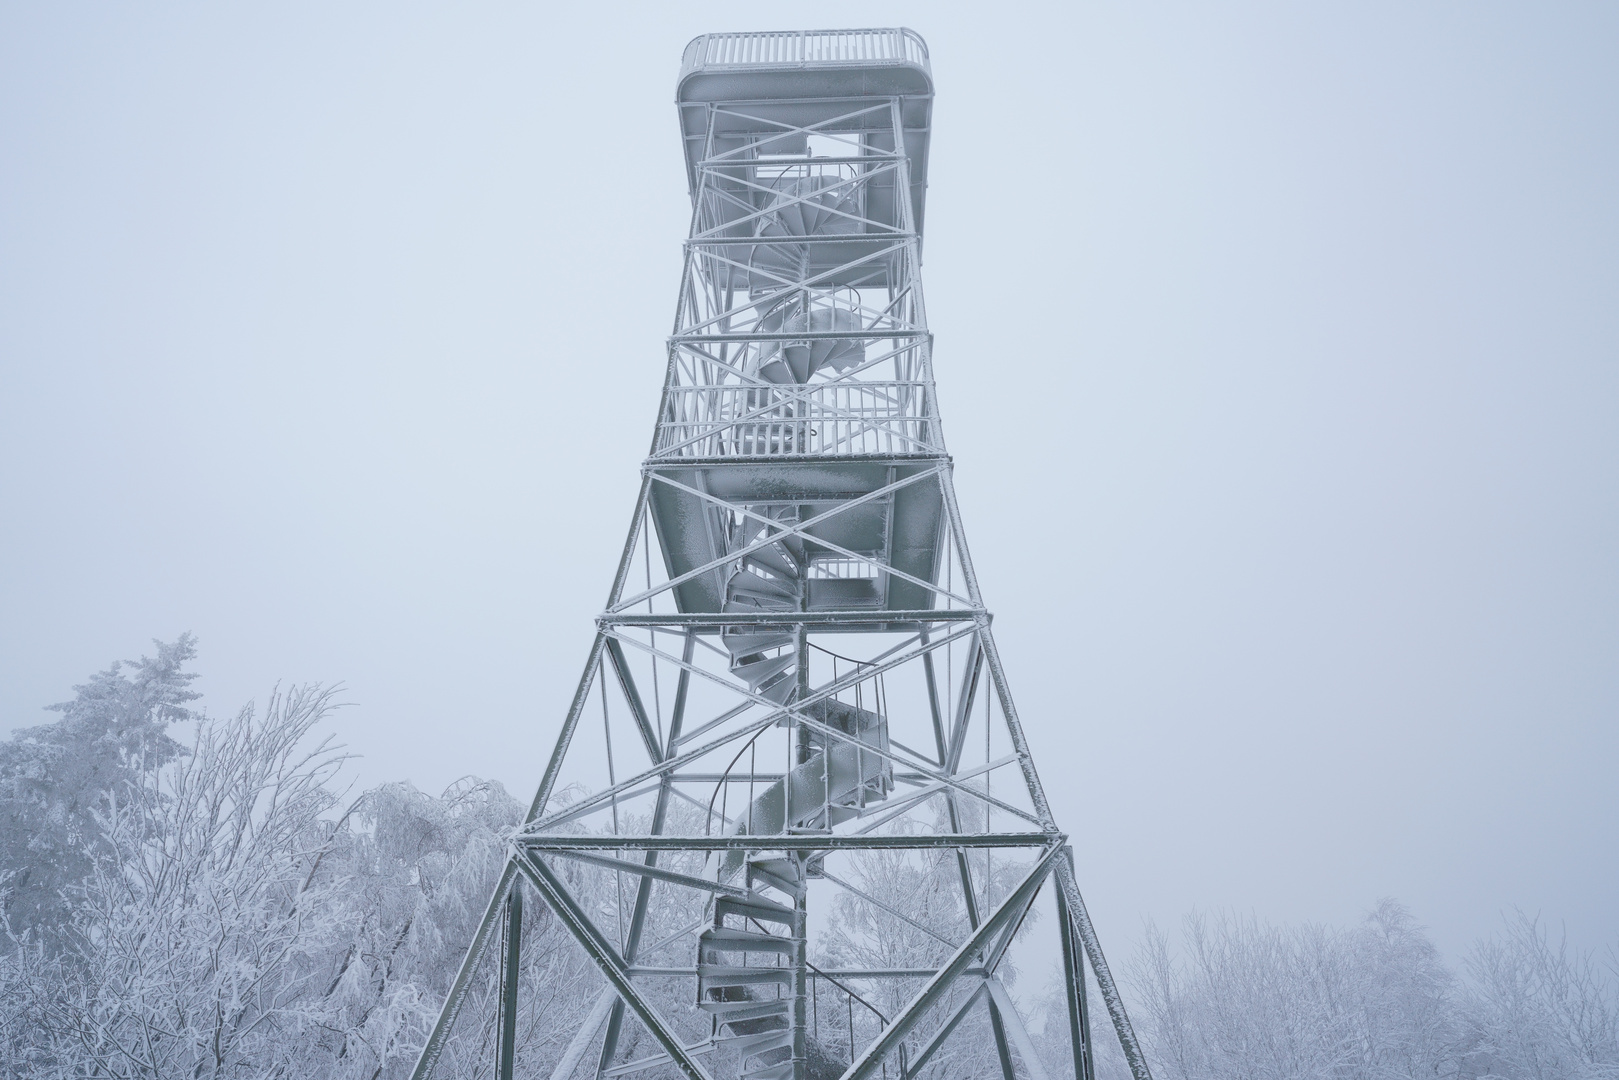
(1537, 1011)
(198, 942)
(1248, 1001)
(415, 872)
(55, 778)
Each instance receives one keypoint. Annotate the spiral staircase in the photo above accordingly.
(843, 771)
(838, 777)
(752, 1003)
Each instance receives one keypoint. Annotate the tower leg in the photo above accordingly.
(1104, 976)
(1002, 1049)
(1073, 973)
(506, 1052)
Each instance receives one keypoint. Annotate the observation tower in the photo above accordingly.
(791, 827)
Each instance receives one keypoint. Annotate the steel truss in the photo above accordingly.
(805, 724)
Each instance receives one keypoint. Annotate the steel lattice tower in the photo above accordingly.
(807, 759)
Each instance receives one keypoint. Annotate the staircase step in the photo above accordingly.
(738, 1011)
(745, 641)
(781, 1071)
(774, 559)
(752, 907)
(837, 815)
(747, 1045)
(774, 593)
(842, 594)
(756, 672)
(779, 690)
(726, 976)
(864, 724)
(725, 939)
(781, 874)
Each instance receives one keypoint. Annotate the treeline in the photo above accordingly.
(218, 905)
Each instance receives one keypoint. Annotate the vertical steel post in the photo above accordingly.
(799, 1017)
(1128, 1042)
(1073, 973)
(510, 970)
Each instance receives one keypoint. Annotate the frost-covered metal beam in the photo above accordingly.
(1104, 976)
(1073, 974)
(1015, 904)
(511, 956)
(607, 960)
(944, 1031)
(1014, 1022)
(910, 619)
(434, 1047)
(788, 842)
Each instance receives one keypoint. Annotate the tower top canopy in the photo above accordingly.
(894, 59)
(751, 84)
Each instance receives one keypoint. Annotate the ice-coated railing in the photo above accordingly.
(835, 418)
(787, 48)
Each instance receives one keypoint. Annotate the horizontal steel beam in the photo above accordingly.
(900, 457)
(802, 335)
(717, 619)
(766, 241)
(718, 164)
(650, 870)
(785, 842)
(814, 973)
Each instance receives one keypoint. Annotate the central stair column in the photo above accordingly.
(799, 1017)
(805, 737)
(800, 961)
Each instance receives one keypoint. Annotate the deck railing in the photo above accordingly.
(836, 418)
(785, 48)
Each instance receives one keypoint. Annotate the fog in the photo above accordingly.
(1277, 347)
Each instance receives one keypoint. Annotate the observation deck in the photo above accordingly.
(799, 410)
(806, 79)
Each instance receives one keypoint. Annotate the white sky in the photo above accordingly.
(1278, 348)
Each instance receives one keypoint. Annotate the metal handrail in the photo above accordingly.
(724, 783)
(841, 417)
(801, 48)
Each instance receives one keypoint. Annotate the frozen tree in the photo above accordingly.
(1251, 1001)
(197, 945)
(415, 872)
(229, 917)
(1536, 1011)
(55, 778)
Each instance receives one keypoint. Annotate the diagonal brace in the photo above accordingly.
(606, 958)
(1014, 905)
